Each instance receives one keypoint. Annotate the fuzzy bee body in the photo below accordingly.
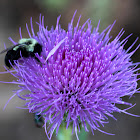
(27, 47)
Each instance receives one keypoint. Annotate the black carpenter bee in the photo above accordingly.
(39, 122)
(26, 47)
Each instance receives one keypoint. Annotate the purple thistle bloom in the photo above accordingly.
(80, 78)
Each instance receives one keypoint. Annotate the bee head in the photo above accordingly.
(28, 43)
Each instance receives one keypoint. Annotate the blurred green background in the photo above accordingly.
(18, 124)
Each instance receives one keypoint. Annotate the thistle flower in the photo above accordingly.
(80, 78)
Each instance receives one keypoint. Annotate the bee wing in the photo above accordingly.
(11, 48)
(7, 49)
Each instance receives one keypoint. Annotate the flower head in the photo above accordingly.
(80, 77)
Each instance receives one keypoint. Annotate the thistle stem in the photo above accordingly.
(83, 134)
(64, 134)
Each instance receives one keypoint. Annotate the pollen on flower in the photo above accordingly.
(80, 77)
